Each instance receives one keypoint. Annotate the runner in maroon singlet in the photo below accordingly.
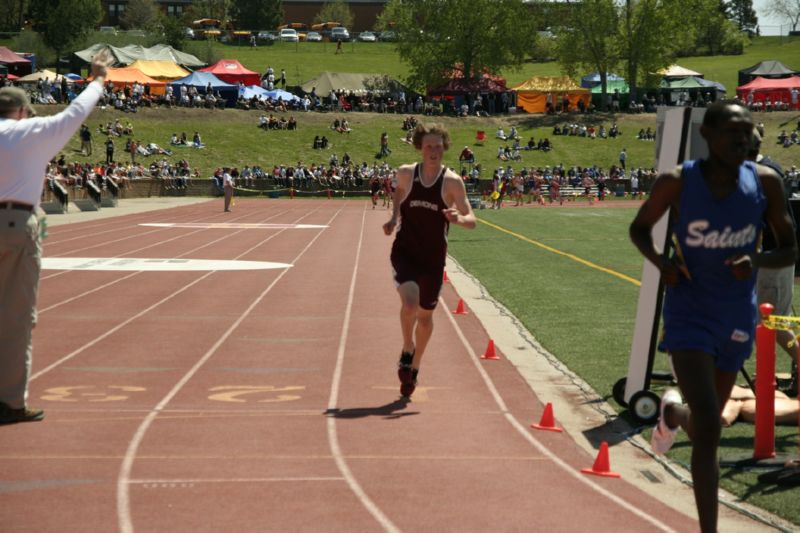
(429, 197)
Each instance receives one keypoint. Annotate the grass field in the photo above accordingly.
(232, 138)
(585, 316)
(304, 61)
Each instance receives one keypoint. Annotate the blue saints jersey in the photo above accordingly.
(709, 231)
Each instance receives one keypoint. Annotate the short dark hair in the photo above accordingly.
(717, 112)
(424, 129)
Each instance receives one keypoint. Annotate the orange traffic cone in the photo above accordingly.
(490, 352)
(460, 308)
(547, 421)
(601, 466)
(445, 279)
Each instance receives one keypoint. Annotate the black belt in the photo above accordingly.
(16, 205)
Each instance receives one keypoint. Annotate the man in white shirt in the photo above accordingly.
(27, 144)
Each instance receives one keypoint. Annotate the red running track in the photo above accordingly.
(267, 400)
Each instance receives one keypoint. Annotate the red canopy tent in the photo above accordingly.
(231, 71)
(16, 63)
(777, 90)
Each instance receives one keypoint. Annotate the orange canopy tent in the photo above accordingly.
(121, 77)
(533, 94)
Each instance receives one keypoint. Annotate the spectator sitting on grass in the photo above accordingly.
(501, 134)
(197, 142)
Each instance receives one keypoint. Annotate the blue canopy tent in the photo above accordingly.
(263, 94)
(593, 80)
(201, 80)
(286, 96)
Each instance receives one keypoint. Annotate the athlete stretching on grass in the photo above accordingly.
(429, 197)
(718, 206)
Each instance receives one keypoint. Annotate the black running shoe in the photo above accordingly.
(406, 374)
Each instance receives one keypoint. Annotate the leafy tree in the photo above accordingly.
(212, 9)
(257, 14)
(474, 36)
(174, 32)
(741, 12)
(62, 23)
(649, 32)
(336, 11)
(788, 9)
(12, 14)
(588, 39)
(140, 14)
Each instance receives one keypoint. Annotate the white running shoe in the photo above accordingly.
(663, 436)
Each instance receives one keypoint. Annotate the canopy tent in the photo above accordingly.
(128, 54)
(124, 76)
(590, 81)
(231, 71)
(765, 69)
(620, 85)
(286, 96)
(351, 82)
(10, 58)
(40, 75)
(687, 89)
(160, 70)
(200, 80)
(676, 71)
(534, 94)
(776, 90)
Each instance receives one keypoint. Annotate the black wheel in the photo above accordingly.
(644, 406)
(618, 392)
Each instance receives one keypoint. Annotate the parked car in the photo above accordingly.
(188, 33)
(340, 34)
(289, 35)
(267, 36)
(367, 37)
(108, 29)
(387, 36)
(314, 37)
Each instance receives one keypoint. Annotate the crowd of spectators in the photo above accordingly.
(335, 174)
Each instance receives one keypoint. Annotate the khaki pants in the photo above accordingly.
(20, 264)
(228, 197)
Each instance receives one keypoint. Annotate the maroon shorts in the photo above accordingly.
(428, 277)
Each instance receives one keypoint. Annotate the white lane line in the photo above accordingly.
(123, 495)
(230, 225)
(333, 437)
(123, 278)
(121, 325)
(232, 480)
(535, 442)
(154, 264)
(149, 245)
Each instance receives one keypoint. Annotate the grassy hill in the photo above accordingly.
(304, 61)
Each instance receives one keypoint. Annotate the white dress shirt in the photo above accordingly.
(26, 146)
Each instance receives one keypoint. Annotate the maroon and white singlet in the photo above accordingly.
(420, 245)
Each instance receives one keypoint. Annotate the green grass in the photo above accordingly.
(232, 138)
(585, 316)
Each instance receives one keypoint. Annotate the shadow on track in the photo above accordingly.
(388, 411)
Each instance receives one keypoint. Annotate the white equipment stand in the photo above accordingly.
(678, 139)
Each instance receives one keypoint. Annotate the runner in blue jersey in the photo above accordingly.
(718, 207)
(429, 197)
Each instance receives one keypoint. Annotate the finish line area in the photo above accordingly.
(183, 395)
